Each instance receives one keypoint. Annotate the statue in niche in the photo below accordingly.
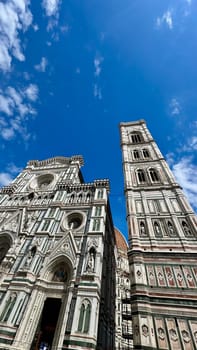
(171, 230)
(60, 274)
(186, 229)
(30, 256)
(28, 260)
(90, 262)
(142, 229)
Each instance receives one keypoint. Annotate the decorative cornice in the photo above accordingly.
(91, 186)
(54, 160)
(9, 189)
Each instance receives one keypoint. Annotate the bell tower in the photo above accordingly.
(162, 246)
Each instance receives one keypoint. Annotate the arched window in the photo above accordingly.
(100, 194)
(154, 175)
(136, 137)
(79, 199)
(72, 197)
(157, 229)
(84, 317)
(98, 211)
(136, 154)
(96, 225)
(145, 153)
(141, 176)
(88, 197)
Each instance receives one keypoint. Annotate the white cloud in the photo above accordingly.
(175, 107)
(65, 28)
(13, 168)
(41, 67)
(16, 109)
(35, 27)
(15, 17)
(165, 19)
(5, 179)
(184, 171)
(193, 143)
(97, 92)
(51, 7)
(32, 92)
(97, 65)
(7, 133)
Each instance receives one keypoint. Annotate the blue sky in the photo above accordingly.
(71, 71)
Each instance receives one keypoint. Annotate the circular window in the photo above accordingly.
(42, 181)
(73, 221)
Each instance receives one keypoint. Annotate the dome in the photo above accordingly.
(120, 240)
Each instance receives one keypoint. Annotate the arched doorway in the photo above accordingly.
(5, 244)
(46, 332)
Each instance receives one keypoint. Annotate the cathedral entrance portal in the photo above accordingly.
(46, 329)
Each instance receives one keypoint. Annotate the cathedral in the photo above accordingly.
(69, 279)
(57, 272)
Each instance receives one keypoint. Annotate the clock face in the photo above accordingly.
(42, 182)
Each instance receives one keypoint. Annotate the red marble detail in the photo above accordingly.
(170, 276)
(189, 277)
(160, 276)
(151, 276)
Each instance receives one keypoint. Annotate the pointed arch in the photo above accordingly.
(6, 241)
(59, 269)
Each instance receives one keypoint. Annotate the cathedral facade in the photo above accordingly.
(162, 247)
(57, 271)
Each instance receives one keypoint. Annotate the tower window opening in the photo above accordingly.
(136, 154)
(146, 153)
(141, 176)
(154, 175)
(136, 137)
